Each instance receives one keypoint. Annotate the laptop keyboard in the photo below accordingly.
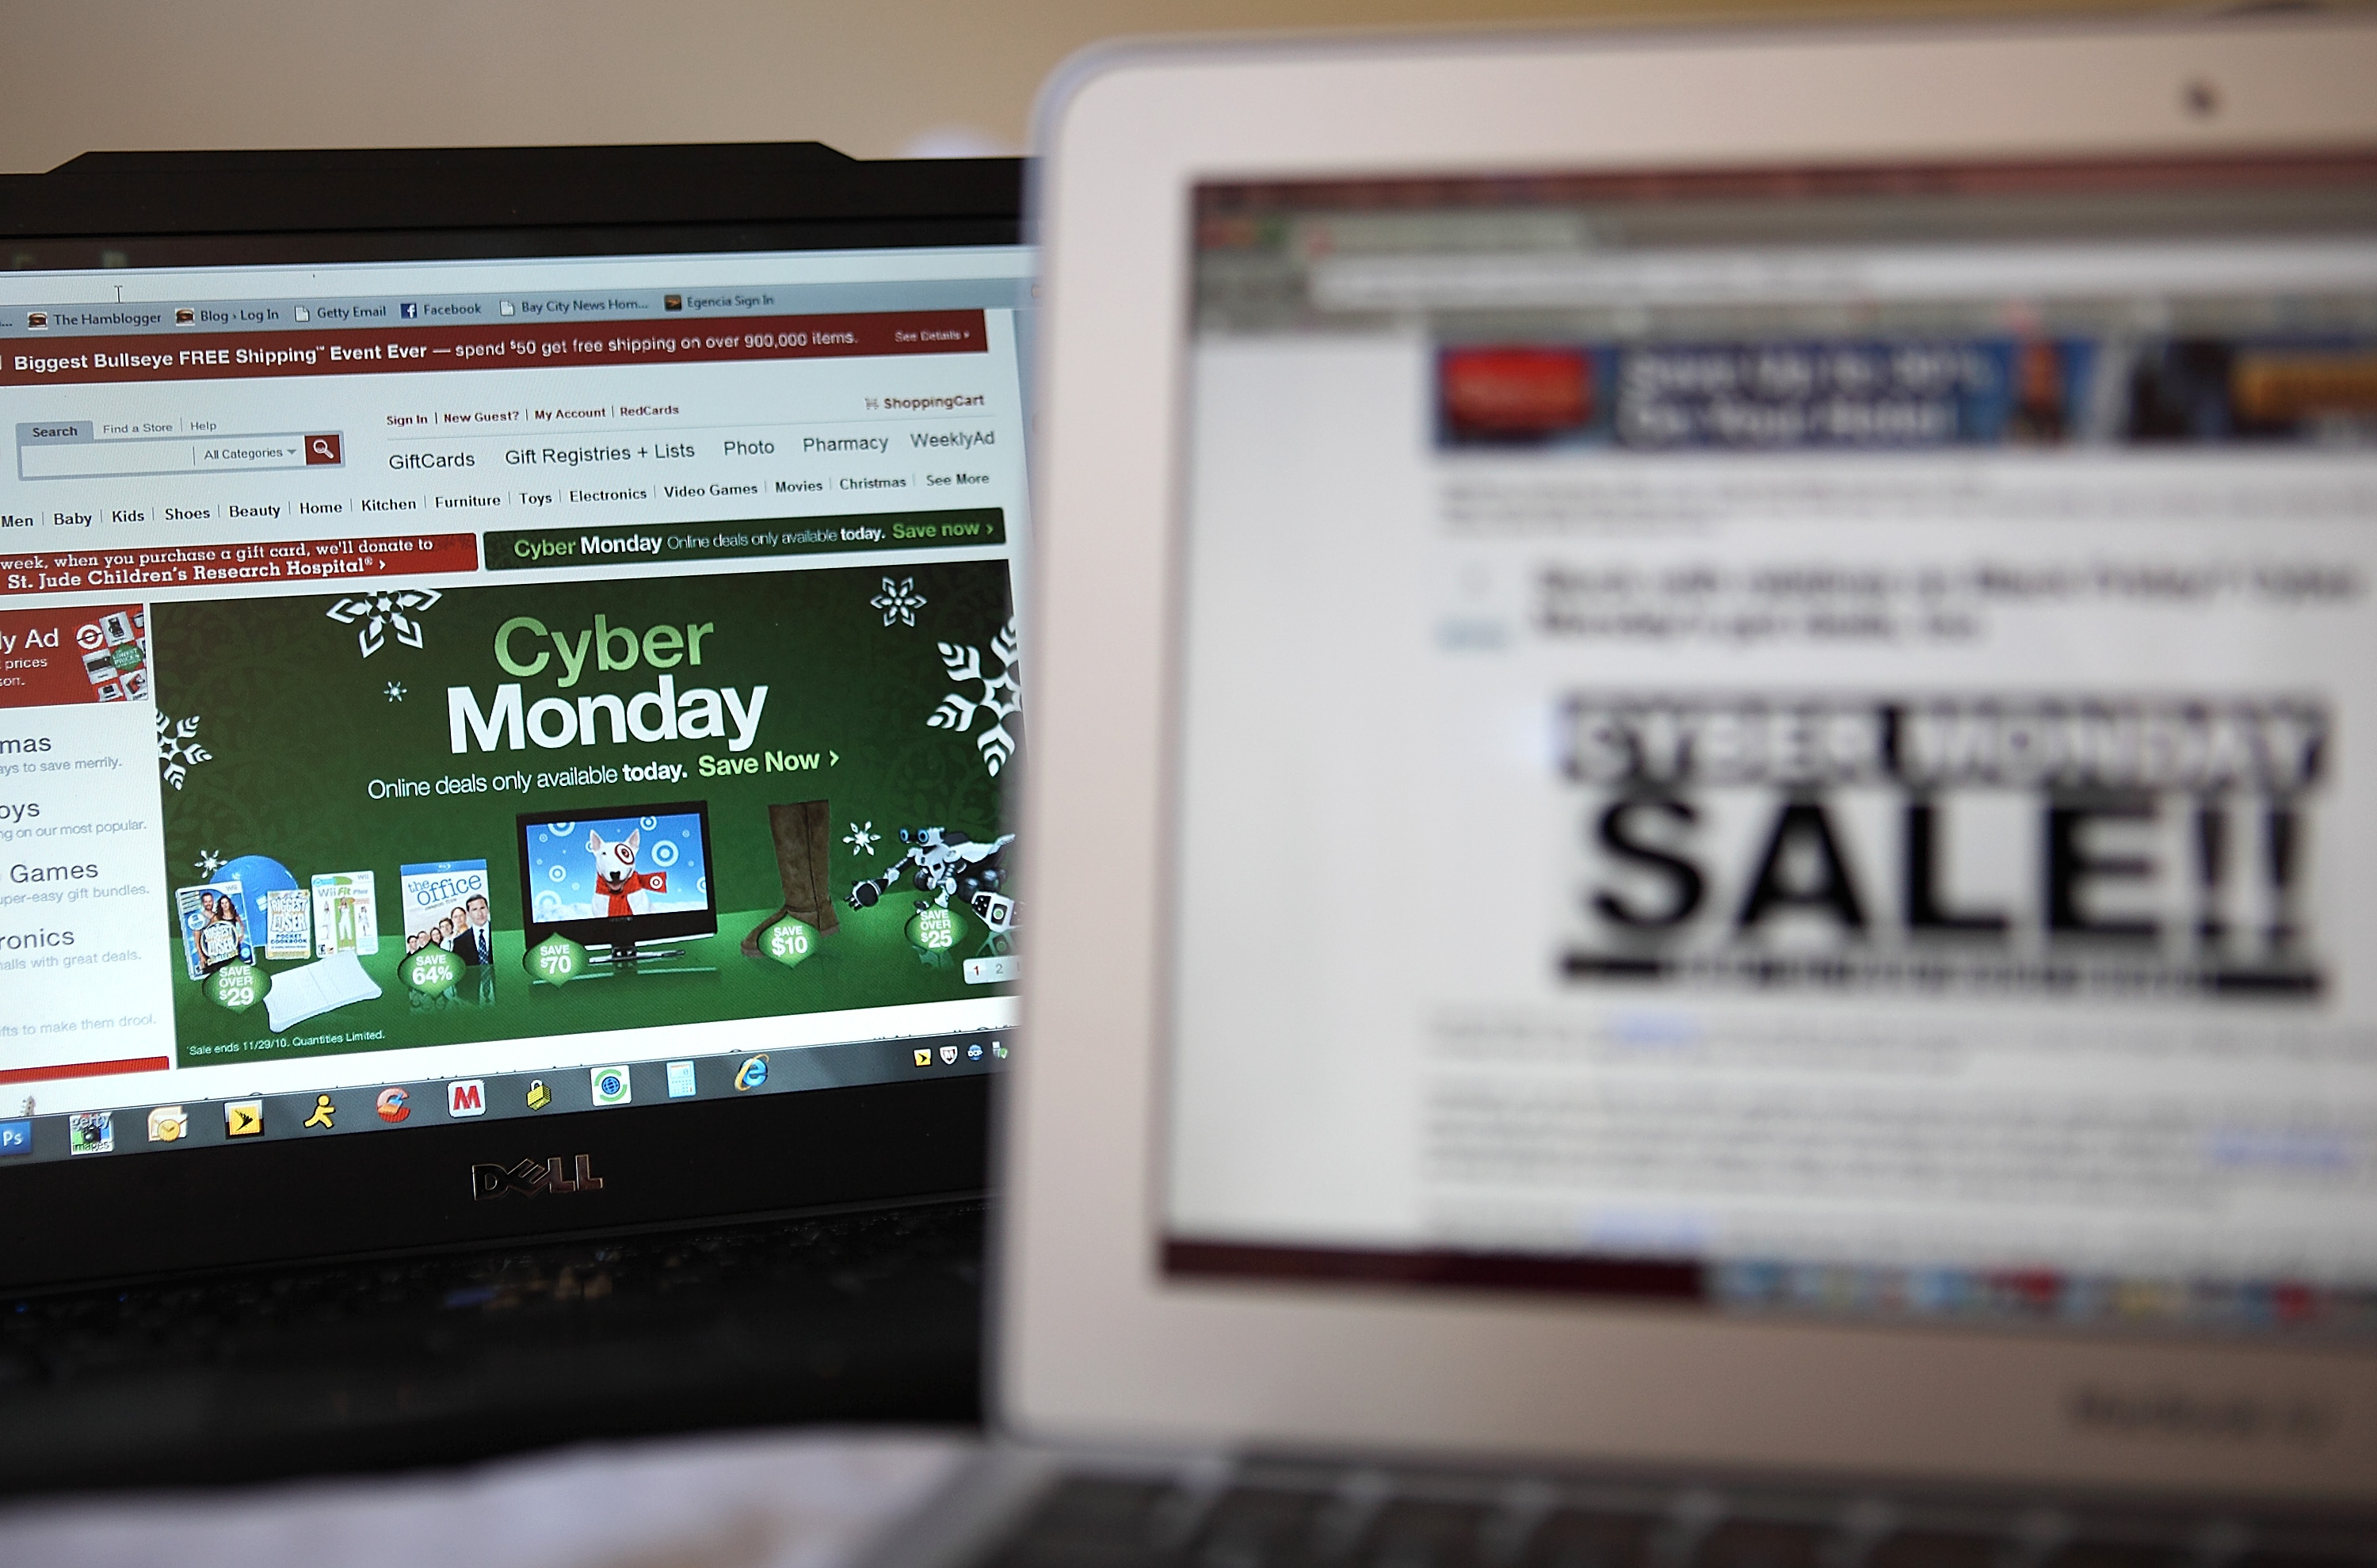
(859, 1316)
(1315, 1519)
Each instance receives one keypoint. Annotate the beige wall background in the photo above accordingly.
(877, 78)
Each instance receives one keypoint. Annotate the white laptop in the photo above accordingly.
(1707, 736)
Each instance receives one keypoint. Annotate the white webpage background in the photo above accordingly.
(1378, 849)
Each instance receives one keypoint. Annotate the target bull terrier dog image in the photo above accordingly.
(622, 888)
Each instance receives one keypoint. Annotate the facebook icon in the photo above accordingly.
(16, 1138)
(408, 311)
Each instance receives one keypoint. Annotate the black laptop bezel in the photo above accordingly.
(81, 1223)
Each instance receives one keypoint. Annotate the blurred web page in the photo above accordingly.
(1788, 741)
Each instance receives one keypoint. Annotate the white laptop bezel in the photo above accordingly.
(1092, 1343)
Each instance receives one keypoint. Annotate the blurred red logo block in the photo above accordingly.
(1514, 393)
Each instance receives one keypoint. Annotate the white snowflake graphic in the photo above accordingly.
(861, 837)
(208, 862)
(1001, 698)
(382, 611)
(179, 749)
(396, 691)
(899, 602)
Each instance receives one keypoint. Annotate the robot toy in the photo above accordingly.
(940, 864)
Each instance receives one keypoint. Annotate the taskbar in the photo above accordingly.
(400, 1104)
(1995, 1299)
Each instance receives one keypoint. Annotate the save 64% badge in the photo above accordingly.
(433, 970)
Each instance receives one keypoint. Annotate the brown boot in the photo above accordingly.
(804, 834)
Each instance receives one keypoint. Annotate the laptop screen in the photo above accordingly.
(1786, 741)
(501, 687)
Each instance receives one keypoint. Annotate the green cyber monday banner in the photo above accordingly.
(345, 779)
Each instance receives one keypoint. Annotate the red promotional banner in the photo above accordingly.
(287, 561)
(85, 1070)
(378, 350)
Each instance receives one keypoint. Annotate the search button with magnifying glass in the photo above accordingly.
(321, 449)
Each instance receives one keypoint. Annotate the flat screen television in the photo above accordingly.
(618, 878)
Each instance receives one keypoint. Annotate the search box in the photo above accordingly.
(71, 459)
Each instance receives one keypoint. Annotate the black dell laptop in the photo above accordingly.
(508, 685)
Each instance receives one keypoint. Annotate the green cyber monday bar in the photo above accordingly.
(546, 549)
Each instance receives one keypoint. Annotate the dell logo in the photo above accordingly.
(529, 1178)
